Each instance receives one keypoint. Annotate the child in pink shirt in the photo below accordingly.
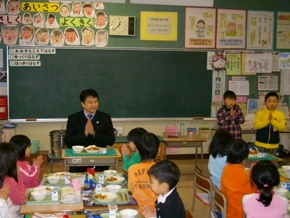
(27, 172)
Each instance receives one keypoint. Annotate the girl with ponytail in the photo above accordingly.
(264, 203)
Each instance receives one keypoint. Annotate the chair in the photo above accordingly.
(204, 184)
(219, 203)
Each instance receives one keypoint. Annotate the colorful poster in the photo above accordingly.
(234, 62)
(283, 30)
(284, 60)
(259, 63)
(200, 25)
(260, 27)
(231, 28)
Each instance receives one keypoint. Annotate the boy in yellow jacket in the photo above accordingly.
(268, 123)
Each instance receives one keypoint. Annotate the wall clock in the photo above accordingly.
(122, 25)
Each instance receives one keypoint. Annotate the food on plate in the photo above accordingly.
(253, 152)
(92, 148)
(101, 196)
(112, 179)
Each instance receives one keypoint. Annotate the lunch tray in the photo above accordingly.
(29, 200)
(71, 153)
(60, 183)
(105, 214)
(123, 198)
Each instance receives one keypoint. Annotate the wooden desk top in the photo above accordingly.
(51, 208)
(185, 139)
(90, 157)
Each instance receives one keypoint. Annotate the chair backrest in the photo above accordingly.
(219, 202)
(204, 184)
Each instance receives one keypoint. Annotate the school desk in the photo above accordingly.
(89, 159)
(120, 140)
(51, 208)
(185, 141)
(270, 157)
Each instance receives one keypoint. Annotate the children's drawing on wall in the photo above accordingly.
(99, 5)
(57, 38)
(71, 36)
(26, 18)
(2, 7)
(252, 105)
(200, 28)
(51, 21)
(89, 10)
(101, 20)
(76, 10)
(231, 29)
(42, 36)
(64, 10)
(13, 6)
(259, 63)
(38, 20)
(26, 36)
(9, 34)
(88, 36)
(102, 38)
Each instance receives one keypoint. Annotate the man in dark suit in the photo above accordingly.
(89, 126)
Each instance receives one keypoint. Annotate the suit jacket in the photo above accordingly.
(75, 130)
(172, 207)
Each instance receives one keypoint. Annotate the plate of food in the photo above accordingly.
(105, 197)
(62, 174)
(115, 179)
(48, 189)
(93, 149)
(253, 153)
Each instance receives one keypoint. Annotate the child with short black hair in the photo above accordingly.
(264, 203)
(29, 173)
(218, 158)
(230, 115)
(164, 176)
(235, 182)
(138, 179)
(133, 136)
(269, 121)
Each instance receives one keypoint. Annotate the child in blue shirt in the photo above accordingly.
(133, 136)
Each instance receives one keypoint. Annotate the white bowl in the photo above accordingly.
(108, 173)
(78, 148)
(113, 188)
(286, 169)
(62, 174)
(115, 179)
(38, 195)
(280, 191)
(128, 213)
(105, 197)
(53, 179)
(47, 189)
(93, 149)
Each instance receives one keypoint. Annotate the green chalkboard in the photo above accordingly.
(130, 83)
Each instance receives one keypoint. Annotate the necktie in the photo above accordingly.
(90, 116)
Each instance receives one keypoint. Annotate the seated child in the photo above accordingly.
(8, 178)
(218, 159)
(133, 136)
(29, 173)
(138, 179)
(235, 182)
(264, 203)
(164, 175)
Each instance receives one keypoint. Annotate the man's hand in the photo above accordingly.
(89, 128)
